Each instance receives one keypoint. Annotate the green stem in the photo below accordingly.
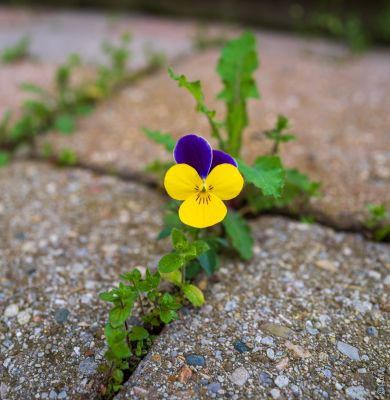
(141, 303)
(183, 275)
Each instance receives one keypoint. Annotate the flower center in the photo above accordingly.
(203, 196)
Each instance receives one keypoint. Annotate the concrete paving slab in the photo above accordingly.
(336, 104)
(308, 317)
(66, 236)
(56, 34)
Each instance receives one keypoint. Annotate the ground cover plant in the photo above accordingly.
(57, 110)
(270, 184)
(16, 52)
(377, 222)
(207, 214)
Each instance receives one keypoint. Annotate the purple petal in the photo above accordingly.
(220, 157)
(195, 151)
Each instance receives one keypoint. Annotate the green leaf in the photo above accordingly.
(121, 350)
(64, 124)
(236, 66)
(159, 167)
(382, 233)
(111, 296)
(67, 157)
(116, 339)
(119, 314)
(267, 174)
(4, 124)
(173, 277)
(32, 88)
(209, 261)
(171, 220)
(133, 276)
(168, 301)
(4, 158)
(117, 375)
(170, 262)
(16, 52)
(83, 109)
(165, 139)
(239, 233)
(195, 88)
(22, 129)
(179, 239)
(200, 247)
(193, 294)
(138, 333)
(168, 316)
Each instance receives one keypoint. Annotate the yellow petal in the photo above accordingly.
(225, 181)
(201, 214)
(180, 181)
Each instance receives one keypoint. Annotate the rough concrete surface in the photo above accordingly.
(307, 318)
(55, 35)
(66, 235)
(336, 103)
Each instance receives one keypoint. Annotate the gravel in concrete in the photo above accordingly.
(336, 104)
(66, 236)
(275, 296)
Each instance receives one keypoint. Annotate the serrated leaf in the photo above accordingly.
(111, 297)
(117, 375)
(121, 350)
(267, 174)
(170, 262)
(138, 333)
(209, 261)
(165, 139)
(179, 239)
(239, 233)
(195, 88)
(116, 339)
(169, 302)
(200, 247)
(236, 66)
(173, 277)
(119, 314)
(193, 294)
(168, 316)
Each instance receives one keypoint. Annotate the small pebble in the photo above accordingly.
(239, 376)
(281, 381)
(24, 317)
(356, 392)
(362, 370)
(11, 311)
(61, 315)
(268, 341)
(275, 393)
(230, 305)
(88, 366)
(240, 346)
(214, 387)
(372, 331)
(195, 360)
(265, 379)
(327, 373)
(348, 350)
(270, 354)
(52, 395)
